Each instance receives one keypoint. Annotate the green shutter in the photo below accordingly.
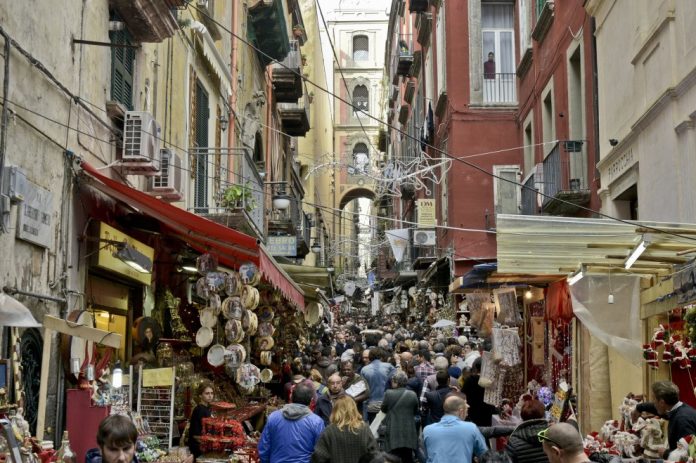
(122, 65)
(201, 178)
(540, 4)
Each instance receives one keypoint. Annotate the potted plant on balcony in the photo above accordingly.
(298, 30)
(237, 197)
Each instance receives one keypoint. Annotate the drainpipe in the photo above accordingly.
(595, 103)
(4, 202)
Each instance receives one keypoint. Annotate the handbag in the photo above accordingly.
(380, 429)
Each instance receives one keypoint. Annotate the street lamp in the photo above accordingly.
(316, 247)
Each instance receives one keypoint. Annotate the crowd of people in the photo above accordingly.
(373, 395)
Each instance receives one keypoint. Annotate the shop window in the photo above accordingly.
(122, 67)
(361, 48)
(361, 97)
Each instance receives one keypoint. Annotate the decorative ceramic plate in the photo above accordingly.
(253, 323)
(265, 329)
(235, 354)
(202, 289)
(266, 313)
(265, 342)
(266, 375)
(250, 297)
(233, 331)
(216, 355)
(204, 336)
(233, 284)
(249, 273)
(208, 318)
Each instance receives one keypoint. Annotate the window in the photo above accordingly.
(548, 123)
(440, 50)
(528, 148)
(506, 190)
(361, 48)
(498, 52)
(361, 158)
(122, 67)
(202, 115)
(361, 97)
(578, 159)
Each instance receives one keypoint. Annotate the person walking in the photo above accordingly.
(325, 402)
(452, 438)
(292, 432)
(377, 374)
(523, 444)
(401, 407)
(347, 439)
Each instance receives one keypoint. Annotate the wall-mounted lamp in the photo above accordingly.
(281, 200)
(637, 252)
(224, 121)
(316, 247)
(117, 376)
(133, 258)
(577, 276)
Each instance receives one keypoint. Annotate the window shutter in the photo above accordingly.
(361, 48)
(201, 134)
(507, 197)
(122, 66)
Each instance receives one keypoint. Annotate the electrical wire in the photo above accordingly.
(461, 159)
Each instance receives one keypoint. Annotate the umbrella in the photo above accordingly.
(14, 313)
(443, 324)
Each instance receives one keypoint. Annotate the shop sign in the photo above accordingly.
(34, 221)
(106, 260)
(285, 246)
(426, 212)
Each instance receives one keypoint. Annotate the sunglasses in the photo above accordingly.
(542, 436)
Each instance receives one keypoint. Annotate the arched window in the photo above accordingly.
(361, 157)
(361, 48)
(361, 97)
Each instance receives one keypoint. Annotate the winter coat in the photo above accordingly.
(94, 456)
(524, 446)
(344, 446)
(290, 435)
(400, 419)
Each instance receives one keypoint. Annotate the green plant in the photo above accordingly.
(237, 196)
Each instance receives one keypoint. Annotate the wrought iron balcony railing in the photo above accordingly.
(500, 88)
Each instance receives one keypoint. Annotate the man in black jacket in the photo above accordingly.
(682, 417)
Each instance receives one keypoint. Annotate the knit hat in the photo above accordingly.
(454, 372)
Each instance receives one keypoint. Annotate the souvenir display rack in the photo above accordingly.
(156, 405)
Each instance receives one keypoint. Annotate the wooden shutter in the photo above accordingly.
(122, 66)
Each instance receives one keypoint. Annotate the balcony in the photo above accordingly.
(404, 56)
(292, 221)
(287, 76)
(424, 23)
(149, 20)
(545, 12)
(529, 197)
(247, 213)
(500, 88)
(565, 179)
(268, 30)
(295, 116)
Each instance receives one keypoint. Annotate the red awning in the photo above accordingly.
(232, 247)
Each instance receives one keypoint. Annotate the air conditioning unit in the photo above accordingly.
(424, 238)
(141, 144)
(166, 184)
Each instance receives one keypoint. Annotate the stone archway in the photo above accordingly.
(355, 193)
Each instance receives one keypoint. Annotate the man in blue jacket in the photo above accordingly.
(291, 432)
(453, 439)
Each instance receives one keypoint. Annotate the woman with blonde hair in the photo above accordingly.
(347, 439)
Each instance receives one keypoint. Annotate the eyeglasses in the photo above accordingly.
(542, 436)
